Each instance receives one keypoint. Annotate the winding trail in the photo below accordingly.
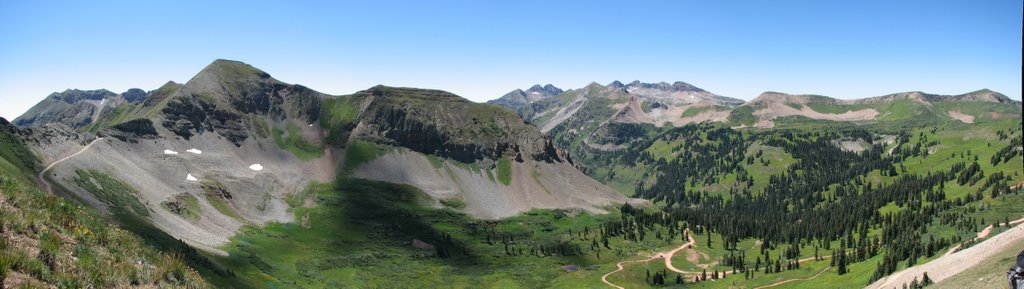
(666, 255)
(42, 178)
(794, 280)
(692, 243)
(669, 254)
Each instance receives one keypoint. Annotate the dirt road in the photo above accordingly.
(693, 243)
(42, 178)
(669, 254)
(656, 256)
(951, 264)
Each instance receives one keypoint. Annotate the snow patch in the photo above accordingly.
(256, 167)
(195, 151)
(170, 152)
(311, 125)
(189, 177)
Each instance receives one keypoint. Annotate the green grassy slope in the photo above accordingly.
(361, 235)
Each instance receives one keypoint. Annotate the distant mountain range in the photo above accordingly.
(594, 115)
(519, 98)
(77, 108)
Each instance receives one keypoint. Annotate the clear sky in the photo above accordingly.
(483, 49)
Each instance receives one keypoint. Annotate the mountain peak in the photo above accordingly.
(134, 95)
(518, 97)
(234, 69)
(543, 91)
(985, 94)
(230, 79)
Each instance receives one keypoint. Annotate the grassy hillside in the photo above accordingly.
(366, 234)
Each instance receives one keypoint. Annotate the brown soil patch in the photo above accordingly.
(962, 117)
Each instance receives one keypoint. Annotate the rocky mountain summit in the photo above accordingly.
(76, 108)
(518, 98)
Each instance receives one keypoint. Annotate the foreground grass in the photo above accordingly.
(46, 241)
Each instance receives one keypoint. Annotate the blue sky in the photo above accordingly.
(483, 49)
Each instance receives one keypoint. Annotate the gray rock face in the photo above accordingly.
(189, 115)
(133, 130)
(218, 97)
(74, 108)
(134, 95)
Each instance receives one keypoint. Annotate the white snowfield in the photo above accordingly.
(195, 151)
(189, 177)
(256, 167)
(170, 152)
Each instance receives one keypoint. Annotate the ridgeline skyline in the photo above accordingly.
(483, 50)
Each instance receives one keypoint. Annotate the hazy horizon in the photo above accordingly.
(483, 50)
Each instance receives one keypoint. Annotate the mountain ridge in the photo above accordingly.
(232, 116)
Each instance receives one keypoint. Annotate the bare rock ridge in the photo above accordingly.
(76, 108)
(519, 98)
(203, 139)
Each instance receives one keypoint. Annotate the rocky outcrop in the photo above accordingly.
(443, 124)
(6, 126)
(186, 116)
(133, 130)
(134, 95)
(301, 102)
